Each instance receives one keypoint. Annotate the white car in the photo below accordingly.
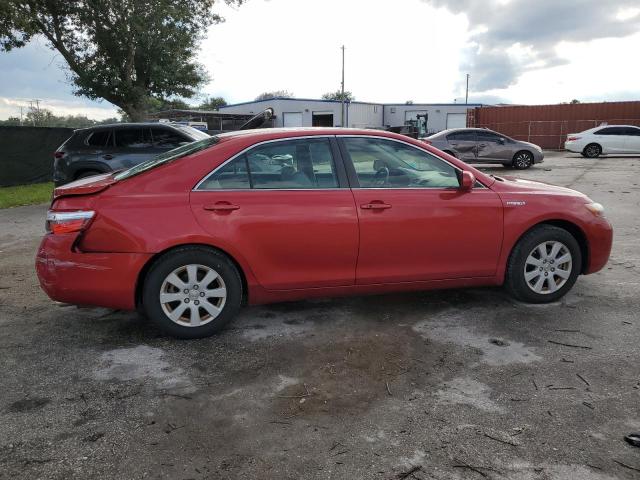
(603, 140)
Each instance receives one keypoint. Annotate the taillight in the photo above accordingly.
(68, 222)
(58, 154)
(572, 139)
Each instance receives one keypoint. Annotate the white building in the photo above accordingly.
(304, 112)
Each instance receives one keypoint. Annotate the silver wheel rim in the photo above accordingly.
(592, 151)
(193, 295)
(548, 267)
(523, 160)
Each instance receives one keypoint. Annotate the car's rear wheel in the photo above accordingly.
(593, 150)
(522, 160)
(192, 292)
(544, 265)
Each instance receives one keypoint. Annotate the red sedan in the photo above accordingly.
(282, 214)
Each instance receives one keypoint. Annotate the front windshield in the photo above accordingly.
(167, 157)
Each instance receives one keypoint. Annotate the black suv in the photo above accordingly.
(94, 150)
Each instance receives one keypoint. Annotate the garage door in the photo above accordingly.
(292, 119)
(456, 120)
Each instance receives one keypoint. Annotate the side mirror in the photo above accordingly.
(501, 141)
(467, 180)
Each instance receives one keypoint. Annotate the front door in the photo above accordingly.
(463, 144)
(282, 207)
(493, 148)
(415, 223)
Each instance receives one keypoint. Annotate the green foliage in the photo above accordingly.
(124, 51)
(41, 117)
(275, 94)
(212, 103)
(337, 95)
(25, 194)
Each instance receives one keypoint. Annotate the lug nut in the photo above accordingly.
(186, 300)
(553, 269)
(546, 274)
(186, 290)
(202, 294)
(195, 287)
(540, 268)
(196, 302)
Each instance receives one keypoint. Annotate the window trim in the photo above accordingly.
(338, 163)
(107, 143)
(353, 177)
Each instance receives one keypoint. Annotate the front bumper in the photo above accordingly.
(98, 279)
(600, 239)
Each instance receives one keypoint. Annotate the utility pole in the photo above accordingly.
(342, 87)
(466, 97)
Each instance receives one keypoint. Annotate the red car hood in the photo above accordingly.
(85, 186)
(519, 185)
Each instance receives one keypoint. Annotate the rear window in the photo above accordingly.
(167, 138)
(167, 157)
(133, 138)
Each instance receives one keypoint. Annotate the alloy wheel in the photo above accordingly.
(522, 160)
(592, 151)
(548, 267)
(193, 295)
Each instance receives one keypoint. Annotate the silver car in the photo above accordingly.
(480, 145)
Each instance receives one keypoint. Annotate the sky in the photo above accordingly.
(515, 51)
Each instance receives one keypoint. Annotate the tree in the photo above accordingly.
(275, 94)
(123, 51)
(337, 95)
(212, 103)
(574, 101)
(409, 102)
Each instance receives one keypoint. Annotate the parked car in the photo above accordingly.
(105, 148)
(480, 145)
(192, 235)
(604, 140)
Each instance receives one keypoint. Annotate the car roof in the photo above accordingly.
(130, 124)
(267, 133)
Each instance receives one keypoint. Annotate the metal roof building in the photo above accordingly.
(306, 112)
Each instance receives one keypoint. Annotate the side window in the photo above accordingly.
(462, 136)
(632, 131)
(488, 137)
(291, 164)
(166, 138)
(99, 138)
(233, 175)
(611, 131)
(389, 164)
(133, 138)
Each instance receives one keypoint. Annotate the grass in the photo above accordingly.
(25, 194)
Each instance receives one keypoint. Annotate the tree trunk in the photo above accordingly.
(135, 112)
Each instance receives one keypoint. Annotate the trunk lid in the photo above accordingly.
(85, 186)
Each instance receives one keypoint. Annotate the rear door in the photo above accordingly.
(612, 139)
(132, 145)
(285, 206)
(463, 144)
(415, 223)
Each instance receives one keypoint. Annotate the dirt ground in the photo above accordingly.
(448, 384)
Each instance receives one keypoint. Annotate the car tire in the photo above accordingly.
(192, 292)
(532, 274)
(86, 173)
(593, 150)
(522, 160)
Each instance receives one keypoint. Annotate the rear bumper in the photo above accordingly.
(573, 147)
(99, 279)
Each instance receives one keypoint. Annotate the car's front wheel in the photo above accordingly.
(192, 292)
(522, 160)
(543, 265)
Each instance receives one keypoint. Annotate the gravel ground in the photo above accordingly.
(448, 384)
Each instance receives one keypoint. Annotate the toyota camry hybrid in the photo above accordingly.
(274, 215)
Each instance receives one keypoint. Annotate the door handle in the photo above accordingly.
(375, 206)
(107, 156)
(221, 207)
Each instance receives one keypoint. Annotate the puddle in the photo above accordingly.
(466, 391)
(496, 351)
(140, 363)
